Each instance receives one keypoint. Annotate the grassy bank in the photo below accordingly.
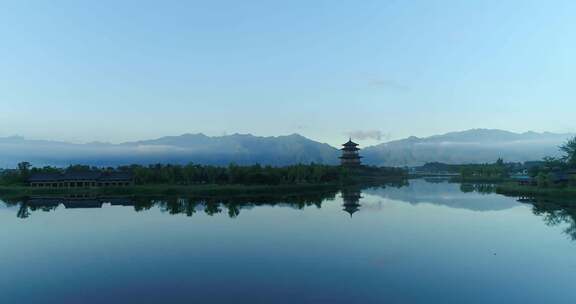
(161, 189)
(513, 189)
(478, 179)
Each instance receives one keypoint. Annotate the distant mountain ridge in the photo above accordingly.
(471, 146)
(242, 149)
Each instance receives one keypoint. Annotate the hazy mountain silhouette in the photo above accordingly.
(197, 148)
(470, 146)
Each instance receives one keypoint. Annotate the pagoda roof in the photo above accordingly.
(350, 143)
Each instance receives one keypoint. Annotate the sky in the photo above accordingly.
(114, 71)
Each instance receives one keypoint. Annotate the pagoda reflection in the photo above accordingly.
(351, 198)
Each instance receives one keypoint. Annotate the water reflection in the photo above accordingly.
(351, 198)
(478, 188)
(402, 238)
(188, 206)
(556, 213)
(474, 197)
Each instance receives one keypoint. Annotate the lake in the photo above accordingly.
(427, 242)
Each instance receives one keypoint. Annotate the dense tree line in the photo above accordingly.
(233, 174)
(202, 174)
(551, 171)
(565, 162)
(497, 170)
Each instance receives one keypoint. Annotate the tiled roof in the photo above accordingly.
(45, 177)
(350, 143)
(87, 175)
(80, 176)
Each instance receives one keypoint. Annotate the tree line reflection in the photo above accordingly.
(230, 205)
(188, 206)
(556, 213)
(553, 212)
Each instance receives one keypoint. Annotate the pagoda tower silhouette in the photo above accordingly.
(350, 156)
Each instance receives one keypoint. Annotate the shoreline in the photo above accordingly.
(163, 189)
(512, 189)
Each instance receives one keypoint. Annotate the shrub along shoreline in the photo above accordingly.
(195, 179)
(513, 189)
(166, 189)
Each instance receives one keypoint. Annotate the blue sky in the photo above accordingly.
(123, 70)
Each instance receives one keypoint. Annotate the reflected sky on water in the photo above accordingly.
(428, 242)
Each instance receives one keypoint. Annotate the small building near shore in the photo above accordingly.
(523, 179)
(81, 179)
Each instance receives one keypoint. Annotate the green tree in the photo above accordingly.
(542, 180)
(569, 148)
(23, 172)
(550, 178)
(24, 169)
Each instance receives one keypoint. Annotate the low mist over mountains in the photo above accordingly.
(196, 148)
(472, 146)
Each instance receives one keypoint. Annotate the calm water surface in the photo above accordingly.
(423, 243)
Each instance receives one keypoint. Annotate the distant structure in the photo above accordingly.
(350, 156)
(351, 198)
(86, 179)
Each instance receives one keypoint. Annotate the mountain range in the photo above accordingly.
(471, 146)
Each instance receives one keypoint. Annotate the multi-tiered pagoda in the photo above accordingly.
(350, 156)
